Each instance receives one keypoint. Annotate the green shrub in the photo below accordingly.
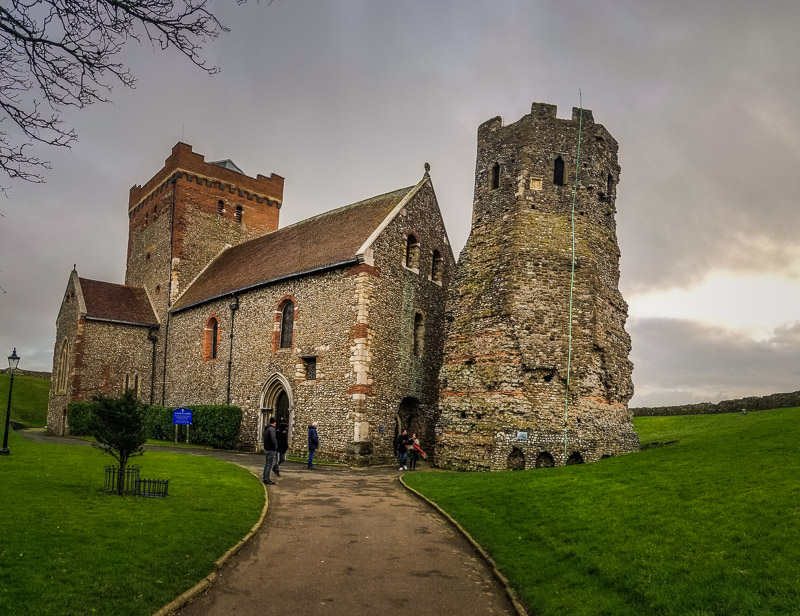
(214, 425)
(158, 421)
(79, 415)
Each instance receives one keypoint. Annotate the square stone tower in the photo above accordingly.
(503, 385)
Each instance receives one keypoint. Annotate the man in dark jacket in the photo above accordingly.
(270, 451)
(313, 443)
(283, 446)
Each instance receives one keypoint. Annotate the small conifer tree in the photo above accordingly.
(118, 424)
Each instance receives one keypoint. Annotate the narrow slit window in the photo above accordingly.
(495, 176)
(220, 207)
(412, 252)
(437, 265)
(419, 333)
(609, 186)
(558, 172)
(238, 216)
(210, 339)
(214, 337)
(311, 368)
(287, 325)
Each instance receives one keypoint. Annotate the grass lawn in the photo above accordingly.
(706, 526)
(28, 400)
(68, 548)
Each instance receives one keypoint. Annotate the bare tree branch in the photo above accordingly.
(64, 53)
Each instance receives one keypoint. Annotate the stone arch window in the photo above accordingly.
(494, 182)
(220, 207)
(238, 215)
(437, 266)
(558, 172)
(211, 335)
(286, 324)
(545, 460)
(412, 252)
(419, 333)
(516, 460)
(132, 382)
(62, 369)
(575, 458)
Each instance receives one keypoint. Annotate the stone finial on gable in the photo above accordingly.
(427, 170)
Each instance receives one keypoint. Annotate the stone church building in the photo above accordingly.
(344, 318)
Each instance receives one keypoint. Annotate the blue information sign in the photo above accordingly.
(182, 416)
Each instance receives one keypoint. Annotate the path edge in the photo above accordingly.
(512, 595)
(204, 584)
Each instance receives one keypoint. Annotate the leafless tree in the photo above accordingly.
(65, 53)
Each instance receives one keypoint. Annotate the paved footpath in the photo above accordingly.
(351, 542)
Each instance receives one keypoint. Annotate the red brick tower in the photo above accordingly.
(187, 214)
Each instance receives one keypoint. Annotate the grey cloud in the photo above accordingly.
(348, 99)
(681, 362)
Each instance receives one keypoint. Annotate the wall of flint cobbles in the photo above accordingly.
(67, 328)
(357, 322)
(399, 293)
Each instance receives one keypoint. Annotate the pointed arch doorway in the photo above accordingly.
(407, 417)
(276, 401)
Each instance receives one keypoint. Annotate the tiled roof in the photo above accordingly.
(312, 244)
(107, 301)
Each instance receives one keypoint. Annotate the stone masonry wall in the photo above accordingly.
(324, 311)
(357, 321)
(504, 379)
(67, 328)
(167, 249)
(398, 375)
(110, 351)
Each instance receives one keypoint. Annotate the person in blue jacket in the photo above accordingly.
(313, 443)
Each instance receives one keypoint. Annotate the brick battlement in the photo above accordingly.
(184, 161)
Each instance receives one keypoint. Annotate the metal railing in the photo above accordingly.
(133, 484)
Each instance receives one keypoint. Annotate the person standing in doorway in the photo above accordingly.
(411, 452)
(313, 443)
(270, 451)
(283, 446)
(402, 441)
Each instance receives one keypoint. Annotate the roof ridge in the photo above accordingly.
(344, 207)
(310, 219)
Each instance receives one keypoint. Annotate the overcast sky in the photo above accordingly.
(349, 99)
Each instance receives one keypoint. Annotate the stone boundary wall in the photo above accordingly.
(34, 373)
(755, 403)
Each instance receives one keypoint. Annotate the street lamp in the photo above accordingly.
(13, 362)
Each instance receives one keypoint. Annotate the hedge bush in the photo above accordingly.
(79, 415)
(214, 425)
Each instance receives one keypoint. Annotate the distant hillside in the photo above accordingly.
(29, 398)
(755, 403)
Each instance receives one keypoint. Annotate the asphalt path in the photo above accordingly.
(346, 541)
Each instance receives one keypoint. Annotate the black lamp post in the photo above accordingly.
(13, 361)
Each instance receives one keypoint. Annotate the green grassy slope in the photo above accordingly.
(705, 526)
(28, 400)
(66, 547)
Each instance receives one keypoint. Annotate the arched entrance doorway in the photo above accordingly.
(276, 401)
(407, 417)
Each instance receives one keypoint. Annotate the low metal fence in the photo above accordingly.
(133, 484)
(130, 479)
(152, 487)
